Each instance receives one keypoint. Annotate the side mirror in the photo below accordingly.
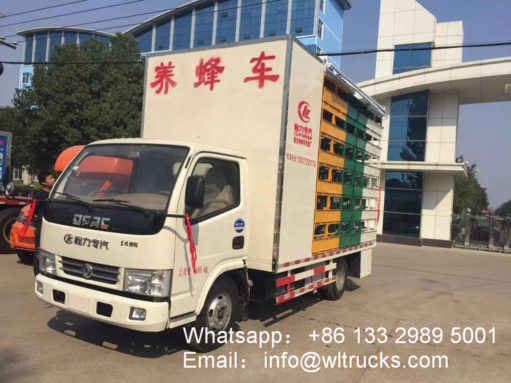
(9, 190)
(7, 176)
(194, 196)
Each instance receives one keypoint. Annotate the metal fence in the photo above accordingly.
(481, 232)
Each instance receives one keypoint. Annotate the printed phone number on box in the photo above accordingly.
(403, 335)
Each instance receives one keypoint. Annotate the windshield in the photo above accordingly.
(122, 175)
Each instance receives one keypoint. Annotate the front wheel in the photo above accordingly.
(218, 314)
(334, 291)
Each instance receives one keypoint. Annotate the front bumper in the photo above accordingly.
(84, 301)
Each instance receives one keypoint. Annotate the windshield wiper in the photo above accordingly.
(122, 202)
(74, 199)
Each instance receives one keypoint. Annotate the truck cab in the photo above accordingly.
(115, 226)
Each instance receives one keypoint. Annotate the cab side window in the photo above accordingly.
(221, 187)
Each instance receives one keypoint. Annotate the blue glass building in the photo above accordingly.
(318, 24)
(40, 45)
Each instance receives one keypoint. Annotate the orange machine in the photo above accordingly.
(24, 245)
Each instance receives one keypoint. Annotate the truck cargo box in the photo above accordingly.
(270, 101)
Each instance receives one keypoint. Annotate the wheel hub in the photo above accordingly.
(219, 312)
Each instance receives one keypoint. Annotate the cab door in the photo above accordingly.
(219, 229)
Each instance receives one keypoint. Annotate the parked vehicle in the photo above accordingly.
(252, 181)
(22, 240)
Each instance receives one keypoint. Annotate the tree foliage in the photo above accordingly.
(72, 104)
(468, 193)
(504, 209)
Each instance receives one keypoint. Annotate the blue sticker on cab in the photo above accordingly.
(239, 225)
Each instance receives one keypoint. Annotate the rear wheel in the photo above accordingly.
(7, 219)
(26, 257)
(334, 291)
(218, 314)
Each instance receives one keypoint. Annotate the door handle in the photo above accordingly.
(238, 242)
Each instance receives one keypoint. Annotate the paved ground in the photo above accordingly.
(410, 287)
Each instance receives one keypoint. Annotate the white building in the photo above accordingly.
(422, 91)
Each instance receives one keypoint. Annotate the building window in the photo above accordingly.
(40, 46)
(250, 23)
(403, 203)
(275, 18)
(408, 125)
(322, 6)
(84, 36)
(55, 39)
(70, 37)
(144, 40)
(182, 31)
(204, 26)
(25, 78)
(302, 17)
(16, 172)
(407, 60)
(103, 39)
(162, 38)
(320, 28)
(226, 22)
(29, 44)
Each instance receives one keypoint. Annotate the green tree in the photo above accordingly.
(468, 193)
(504, 209)
(72, 104)
(10, 119)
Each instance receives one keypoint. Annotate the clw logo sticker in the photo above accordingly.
(304, 111)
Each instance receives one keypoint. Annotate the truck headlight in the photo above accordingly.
(155, 283)
(46, 262)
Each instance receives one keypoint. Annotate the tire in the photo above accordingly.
(7, 219)
(218, 314)
(26, 257)
(334, 291)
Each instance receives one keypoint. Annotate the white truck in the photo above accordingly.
(252, 181)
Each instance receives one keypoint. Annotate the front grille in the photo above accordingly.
(100, 273)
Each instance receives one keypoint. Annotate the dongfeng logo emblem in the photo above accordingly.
(304, 110)
(102, 223)
(87, 271)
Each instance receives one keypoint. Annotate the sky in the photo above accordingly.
(484, 130)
